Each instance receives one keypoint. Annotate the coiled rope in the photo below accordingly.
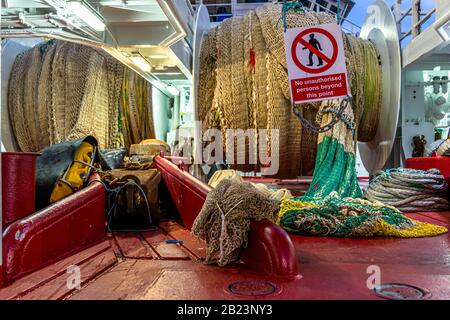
(410, 190)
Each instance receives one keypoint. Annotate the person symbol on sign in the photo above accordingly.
(316, 44)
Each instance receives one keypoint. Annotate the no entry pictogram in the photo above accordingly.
(316, 63)
(329, 61)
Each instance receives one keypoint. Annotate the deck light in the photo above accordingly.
(157, 56)
(85, 13)
(143, 64)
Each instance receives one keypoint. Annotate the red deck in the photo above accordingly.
(144, 266)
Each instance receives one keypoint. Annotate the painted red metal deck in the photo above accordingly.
(144, 266)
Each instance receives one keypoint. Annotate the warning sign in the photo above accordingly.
(316, 63)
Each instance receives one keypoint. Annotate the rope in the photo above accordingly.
(410, 190)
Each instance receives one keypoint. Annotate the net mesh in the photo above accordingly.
(61, 91)
(224, 221)
(349, 217)
(251, 87)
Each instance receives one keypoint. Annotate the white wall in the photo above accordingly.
(160, 114)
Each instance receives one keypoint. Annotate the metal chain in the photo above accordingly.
(338, 115)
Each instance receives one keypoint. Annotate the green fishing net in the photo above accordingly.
(334, 171)
(349, 217)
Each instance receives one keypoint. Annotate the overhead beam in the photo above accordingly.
(22, 4)
(115, 14)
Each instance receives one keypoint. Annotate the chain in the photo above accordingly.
(344, 117)
(338, 115)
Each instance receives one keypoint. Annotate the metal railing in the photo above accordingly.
(418, 18)
(236, 8)
(217, 17)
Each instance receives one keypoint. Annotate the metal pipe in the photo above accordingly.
(49, 32)
(415, 16)
(29, 20)
(436, 84)
(426, 83)
(16, 19)
(69, 23)
(215, 5)
(425, 18)
(444, 84)
(405, 35)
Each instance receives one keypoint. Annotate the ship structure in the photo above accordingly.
(225, 150)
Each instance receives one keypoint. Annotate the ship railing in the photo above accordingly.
(236, 9)
(418, 18)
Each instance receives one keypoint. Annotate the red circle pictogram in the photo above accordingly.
(299, 40)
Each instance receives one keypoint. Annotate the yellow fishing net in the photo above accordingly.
(350, 217)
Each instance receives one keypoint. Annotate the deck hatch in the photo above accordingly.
(399, 291)
(253, 288)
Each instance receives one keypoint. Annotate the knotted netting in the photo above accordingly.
(332, 205)
(61, 91)
(350, 217)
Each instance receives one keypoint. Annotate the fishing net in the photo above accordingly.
(30, 97)
(224, 221)
(15, 101)
(243, 83)
(45, 94)
(90, 117)
(334, 169)
(61, 91)
(326, 139)
(135, 109)
(349, 217)
(308, 145)
(207, 77)
(58, 105)
(332, 206)
(115, 74)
